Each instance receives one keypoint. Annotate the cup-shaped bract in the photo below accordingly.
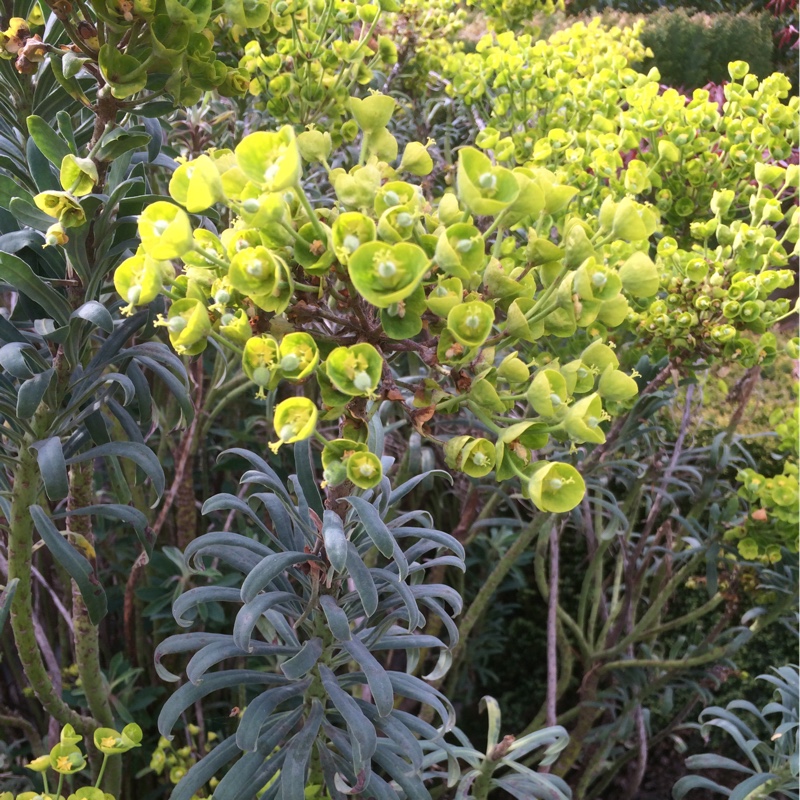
(334, 455)
(299, 356)
(356, 370)
(364, 469)
(111, 742)
(460, 251)
(78, 175)
(416, 159)
(616, 385)
(165, 231)
(349, 231)
(270, 159)
(556, 487)
(582, 421)
(472, 456)
(188, 326)
(260, 360)
(373, 112)
(67, 759)
(639, 275)
(548, 393)
(262, 276)
(294, 420)
(384, 273)
(483, 188)
(196, 185)
(139, 279)
(63, 206)
(471, 323)
(447, 294)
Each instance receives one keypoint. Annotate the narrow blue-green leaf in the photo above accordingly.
(31, 392)
(268, 569)
(140, 454)
(377, 678)
(215, 652)
(96, 313)
(260, 709)
(362, 580)
(295, 667)
(184, 608)
(51, 145)
(250, 613)
(334, 539)
(336, 618)
(53, 467)
(116, 511)
(201, 772)
(298, 752)
(402, 773)
(304, 464)
(188, 694)
(183, 643)
(690, 782)
(748, 786)
(401, 491)
(17, 274)
(76, 566)
(373, 524)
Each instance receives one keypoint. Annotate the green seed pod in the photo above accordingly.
(196, 185)
(471, 323)
(355, 371)
(483, 188)
(461, 252)
(188, 326)
(579, 376)
(270, 160)
(395, 194)
(236, 327)
(364, 470)
(294, 420)
(548, 393)
(556, 487)
(583, 419)
(263, 277)
(165, 231)
(299, 356)
(384, 274)
(206, 241)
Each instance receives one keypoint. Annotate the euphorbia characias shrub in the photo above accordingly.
(576, 105)
(337, 305)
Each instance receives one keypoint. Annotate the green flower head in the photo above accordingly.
(639, 275)
(263, 277)
(582, 421)
(355, 371)
(63, 206)
(364, 469)
(299, 355)
(384, 274)
(260, 361)
(447, 294)
(350, 230)
(483, 188)
(416, 159)
(188, 326)
(548, 393)
(616, 385)
(139, 279)
(460, 251)
(165, 231)
(295, 420)
(473, 456)
(108, 741)
(67, 759)
(196, 185)
(556, 487)
(373, 112)
(270, 160)
(471, 323)
(397, 194)
(334, 455)
(236, 327)
(78, 175)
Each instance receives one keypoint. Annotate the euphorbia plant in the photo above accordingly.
(466, 287)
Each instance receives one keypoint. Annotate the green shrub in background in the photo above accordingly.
(693, 50)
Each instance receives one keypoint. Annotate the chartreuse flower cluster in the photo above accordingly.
(303, 59)
(773, 520)
(508, 319)
(576, 105)
(67, 759)
(163, 46)
(175, 762)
